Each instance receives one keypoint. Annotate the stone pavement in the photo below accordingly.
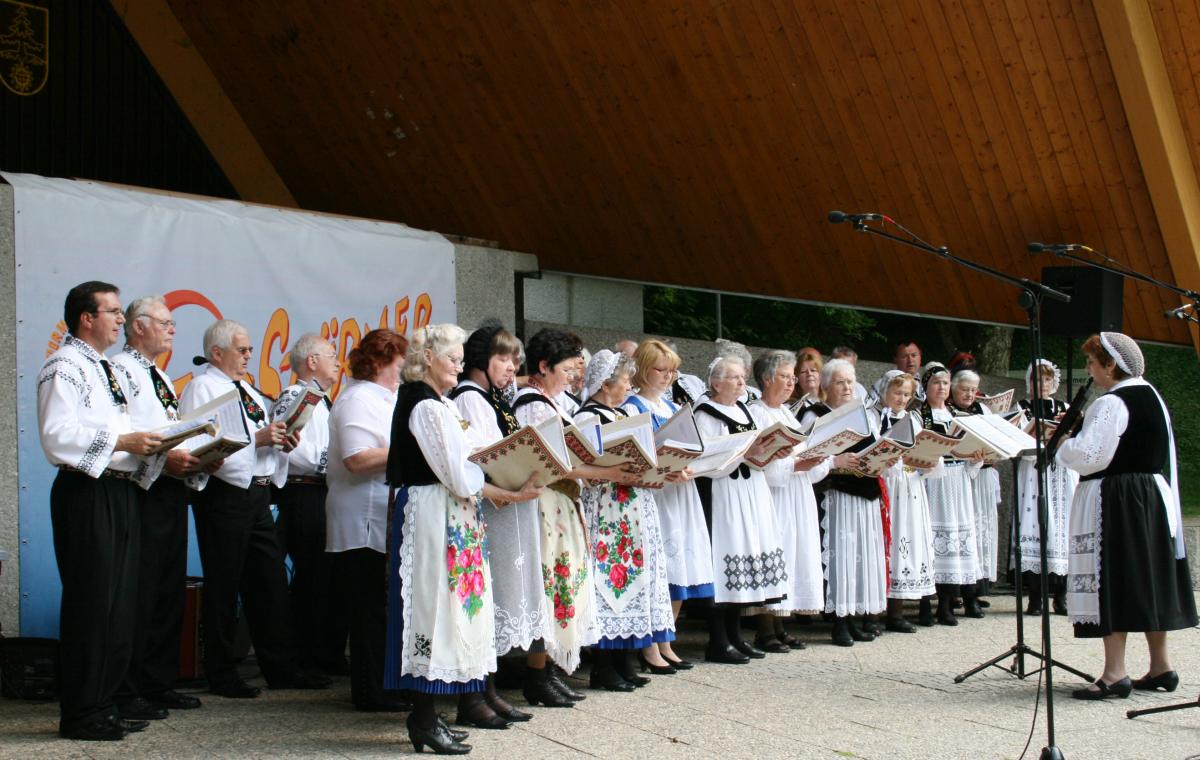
(891, 698)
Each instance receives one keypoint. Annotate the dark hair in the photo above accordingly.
(1095, 349)
(489, 339)
(962, 360)
(904, 344)
(81, 300)
(377, 349)
(551, 346)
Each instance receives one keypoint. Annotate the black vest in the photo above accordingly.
(505, 419)
(743, 469)
(406, 465)
(1048, 408)
(1144, 446)
(863, 486)
(606, 414)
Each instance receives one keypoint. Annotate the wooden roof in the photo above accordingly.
(703, 143)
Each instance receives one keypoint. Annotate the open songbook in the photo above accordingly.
(539, 450)
(991, 434)
(779, 440)
(297, 411)
(229, 433)
(906, 441)
(178, 432)
(999, 403)
(678, 444)
(628, 441)
(841, 429)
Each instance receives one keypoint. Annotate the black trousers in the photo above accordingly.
(240, 552)
(96, 542)
(161, 578)
(362, 580)
(318, 611)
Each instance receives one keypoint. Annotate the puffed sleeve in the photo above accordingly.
(536, 412)
(1093, 447)
(711, 427)
(438, 431)
(65, 439)
(476, 410)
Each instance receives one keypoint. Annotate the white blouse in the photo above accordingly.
(446, 444)
(781, 470)
(476, 410)
(356, 507)
(311, 456)
(1093, 447)
(711, 427)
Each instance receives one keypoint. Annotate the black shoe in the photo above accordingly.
(95, 731)
(557, 677)
(501, 707)
(900, 625)
(300, 680)
(726, 655)
(1035, 606)
(1168, 681)
(748, 649)
(771, 645)
(947, 618)
(130, 726)
(791, 641)
(1060, 605)
(238, 689)
(174, 700)
(622, 662)
(474, 711)
(858, 634)
(972, 609)
(872, 627)
(658, 670)
(925, 613)
(680, 664)
(437, 738)
(604, 676)
(538, 690)
(385, 705)
(458, 734)
(1120, 689)
(984, 603)
(141, 709)
(841, 633)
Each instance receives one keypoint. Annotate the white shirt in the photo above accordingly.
(711, 427)
(782, 470)
(79, 420)
(356, 507)
(476, 410)
(244, 464)
(145, 407)
(310, 457)
(438, 428)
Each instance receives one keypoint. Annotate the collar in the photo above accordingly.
(139, 357)
(83, 347)
(211, 369)
(1127, 382)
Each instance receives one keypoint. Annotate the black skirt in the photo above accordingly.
(1142, 586)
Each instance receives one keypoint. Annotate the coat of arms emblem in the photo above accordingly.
(24, 47)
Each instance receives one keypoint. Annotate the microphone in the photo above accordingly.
(837, 217)
(1053, 247)
(198, 360)
(1180, 312)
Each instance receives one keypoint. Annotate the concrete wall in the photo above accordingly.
(10, 575)
(584, 302)
(484, 280)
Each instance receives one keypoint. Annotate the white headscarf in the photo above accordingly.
(1031, 376)
(1125, 352)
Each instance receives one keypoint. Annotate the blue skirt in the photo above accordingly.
(683, 593)
(635, 642)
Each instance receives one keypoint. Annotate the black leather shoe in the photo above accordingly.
(858, 634)
(480, 716)
(300, 680)
(235, 690)
(748, 649)
(1120, 689)
(680, 664)
(557, 678)
(841, 634)
(609, 679)
(1168, 681)
(925, 613)
(623, 663)
(539, 691)
(459, 734)
(1060, 605)
(771, 645)
(726, 655)
(872, 627)
(790, 641)
(174, 700)
(437, 738)
(984, 603)
(658, 670)
(96, 731)
(130, 726)
(1035, 606)
(141, 709)
(385, 705)
(900, 625)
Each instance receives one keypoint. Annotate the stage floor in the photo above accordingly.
(891, 698)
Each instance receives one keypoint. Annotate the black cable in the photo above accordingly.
(1037, 701)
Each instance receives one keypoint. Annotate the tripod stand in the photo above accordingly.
(1031, 297)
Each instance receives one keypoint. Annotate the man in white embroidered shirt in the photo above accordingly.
(87, 432)
(318, 613)
(239, 548)
(148, 690)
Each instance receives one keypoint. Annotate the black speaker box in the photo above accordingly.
(1097, 299)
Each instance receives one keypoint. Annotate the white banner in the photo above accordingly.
(281, 273)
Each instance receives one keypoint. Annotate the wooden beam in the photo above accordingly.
(203, 101)
(1141, 74)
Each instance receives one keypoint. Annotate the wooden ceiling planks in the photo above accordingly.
(702, 143)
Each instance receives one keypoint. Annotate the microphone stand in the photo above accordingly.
(1178, 313)
(1032, 293)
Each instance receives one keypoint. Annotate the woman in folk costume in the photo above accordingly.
(491, 356)
(853, 550)
(910, 565)
(807, 392)
(951, 506)
(686, 542)
(551, 358)
(985, 489)
(1060, 489)
(791, 482)
(633, 606)
(1127, 569)
(746, 547)
(441, 633)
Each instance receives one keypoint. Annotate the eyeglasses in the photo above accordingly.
(244, 350)
(111, 312)
(165, 324)
(454, 362)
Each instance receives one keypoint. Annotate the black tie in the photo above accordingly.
(165, 395)
(253, 410)
(118, 395)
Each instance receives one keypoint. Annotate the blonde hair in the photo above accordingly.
(903, 377)
(648, 353)
(439, 339)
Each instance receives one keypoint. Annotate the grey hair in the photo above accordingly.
(843, 352)
(769, 362)
(733, 348)
(716, 370)
(139, 308)
(220, 334)
(307, 345)
(438, 338)
(964, 376)
(833, 366)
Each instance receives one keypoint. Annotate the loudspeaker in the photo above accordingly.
(1097, 299)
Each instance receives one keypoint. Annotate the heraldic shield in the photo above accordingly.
(24, 47)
